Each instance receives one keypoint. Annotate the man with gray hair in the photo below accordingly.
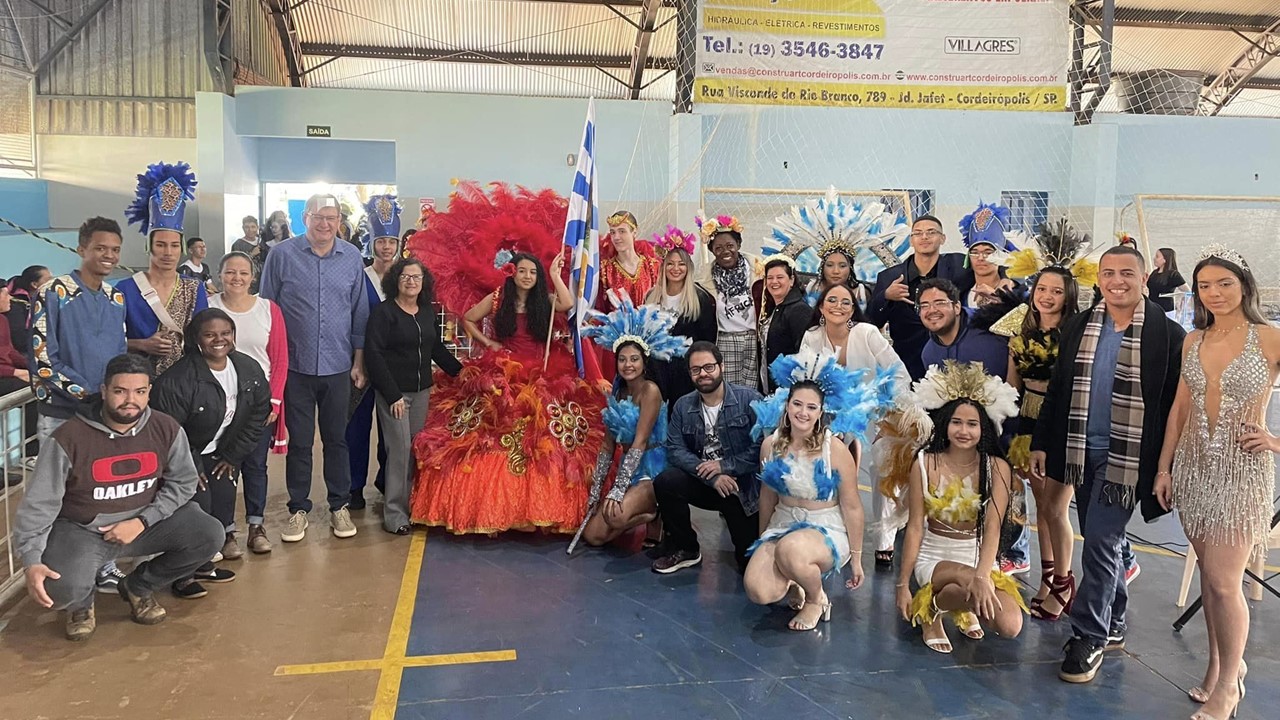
(319, 285)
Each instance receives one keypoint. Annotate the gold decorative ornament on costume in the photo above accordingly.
(170, 195)
(568, 424)
(1011, 324)
(621, 218)
(954, 380)
(513, 441)
(465, 418)
(385, 209)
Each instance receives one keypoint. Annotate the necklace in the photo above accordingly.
(957, 469)
(1216, 331)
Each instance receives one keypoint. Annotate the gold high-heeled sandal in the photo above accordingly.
(1198, 694)
(825, 616)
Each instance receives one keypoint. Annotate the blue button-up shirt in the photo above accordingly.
(1101, 384)
(323, 301)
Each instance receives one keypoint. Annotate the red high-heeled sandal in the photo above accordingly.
(1046, 581)
(1063, 591)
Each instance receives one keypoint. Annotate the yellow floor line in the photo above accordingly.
(329, 667)
(384, 700)
(466, 658)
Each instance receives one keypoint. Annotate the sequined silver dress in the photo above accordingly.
(1223, 494)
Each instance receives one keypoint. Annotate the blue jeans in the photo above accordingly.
(253, 473)
(1015, 535)
(358, 429)
(1102, 596)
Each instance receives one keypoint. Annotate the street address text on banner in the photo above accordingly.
(942, 54)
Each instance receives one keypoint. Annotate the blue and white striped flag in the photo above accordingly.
(582, 237)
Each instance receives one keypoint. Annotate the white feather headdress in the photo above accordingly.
(954, 380)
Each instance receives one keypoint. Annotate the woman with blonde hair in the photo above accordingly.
(694, 308)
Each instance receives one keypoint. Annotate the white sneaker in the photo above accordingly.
(342, 525)
(296, 528)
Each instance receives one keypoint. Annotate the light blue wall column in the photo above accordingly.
(228, 186)
(1093, 180)
(684, 176)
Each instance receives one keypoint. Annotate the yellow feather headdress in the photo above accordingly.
(1057, 244)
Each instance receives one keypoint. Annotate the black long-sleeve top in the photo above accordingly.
(400, 347)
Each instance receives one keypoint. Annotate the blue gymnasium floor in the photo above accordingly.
(600, 636)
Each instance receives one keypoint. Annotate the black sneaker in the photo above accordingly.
(1082, 661)
(678, 560)
(109, 581)
(214, 575)
(356, 502)
(1115, 641)
(660, 550)
(188, 589)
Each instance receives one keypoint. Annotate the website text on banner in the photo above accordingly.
(952, 54)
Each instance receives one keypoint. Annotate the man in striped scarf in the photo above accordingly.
(1101, 429)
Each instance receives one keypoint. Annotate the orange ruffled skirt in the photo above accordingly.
(508, 447)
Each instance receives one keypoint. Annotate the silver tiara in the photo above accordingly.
(1222, 252)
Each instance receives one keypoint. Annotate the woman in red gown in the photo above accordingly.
(507, 445)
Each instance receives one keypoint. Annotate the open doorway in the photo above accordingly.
(289, 199)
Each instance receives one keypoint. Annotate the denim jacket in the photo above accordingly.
(686, 436)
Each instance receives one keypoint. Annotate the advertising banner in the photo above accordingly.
(950, 54)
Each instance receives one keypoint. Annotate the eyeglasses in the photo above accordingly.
(917, 234)
(981, 254)
(708, 369)
(411, 278)
(935, 305)
(839, 302)
(326, 218)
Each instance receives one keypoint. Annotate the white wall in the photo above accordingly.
(91, 176)
(1197, 155)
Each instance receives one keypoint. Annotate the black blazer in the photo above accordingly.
(189, 393)
(399, 348)
(908, 335)
(1161, 367)
(790, 322)
(673, 375)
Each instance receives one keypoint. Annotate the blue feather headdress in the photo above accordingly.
(161, 198)
(870, 236)
(383, 214)
(988, 224)
(854, 399)
(648, 326)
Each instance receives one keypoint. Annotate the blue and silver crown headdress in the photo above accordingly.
(855, 399)
(647, 326)
(383, 214)
(162, 195)
(867, 233)
(987, 224)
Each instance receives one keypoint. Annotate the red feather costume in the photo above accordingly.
(506, 446)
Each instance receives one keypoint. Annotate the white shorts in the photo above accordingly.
(828, 521)
(935, 548)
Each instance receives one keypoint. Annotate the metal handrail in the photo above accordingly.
(11, 576)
